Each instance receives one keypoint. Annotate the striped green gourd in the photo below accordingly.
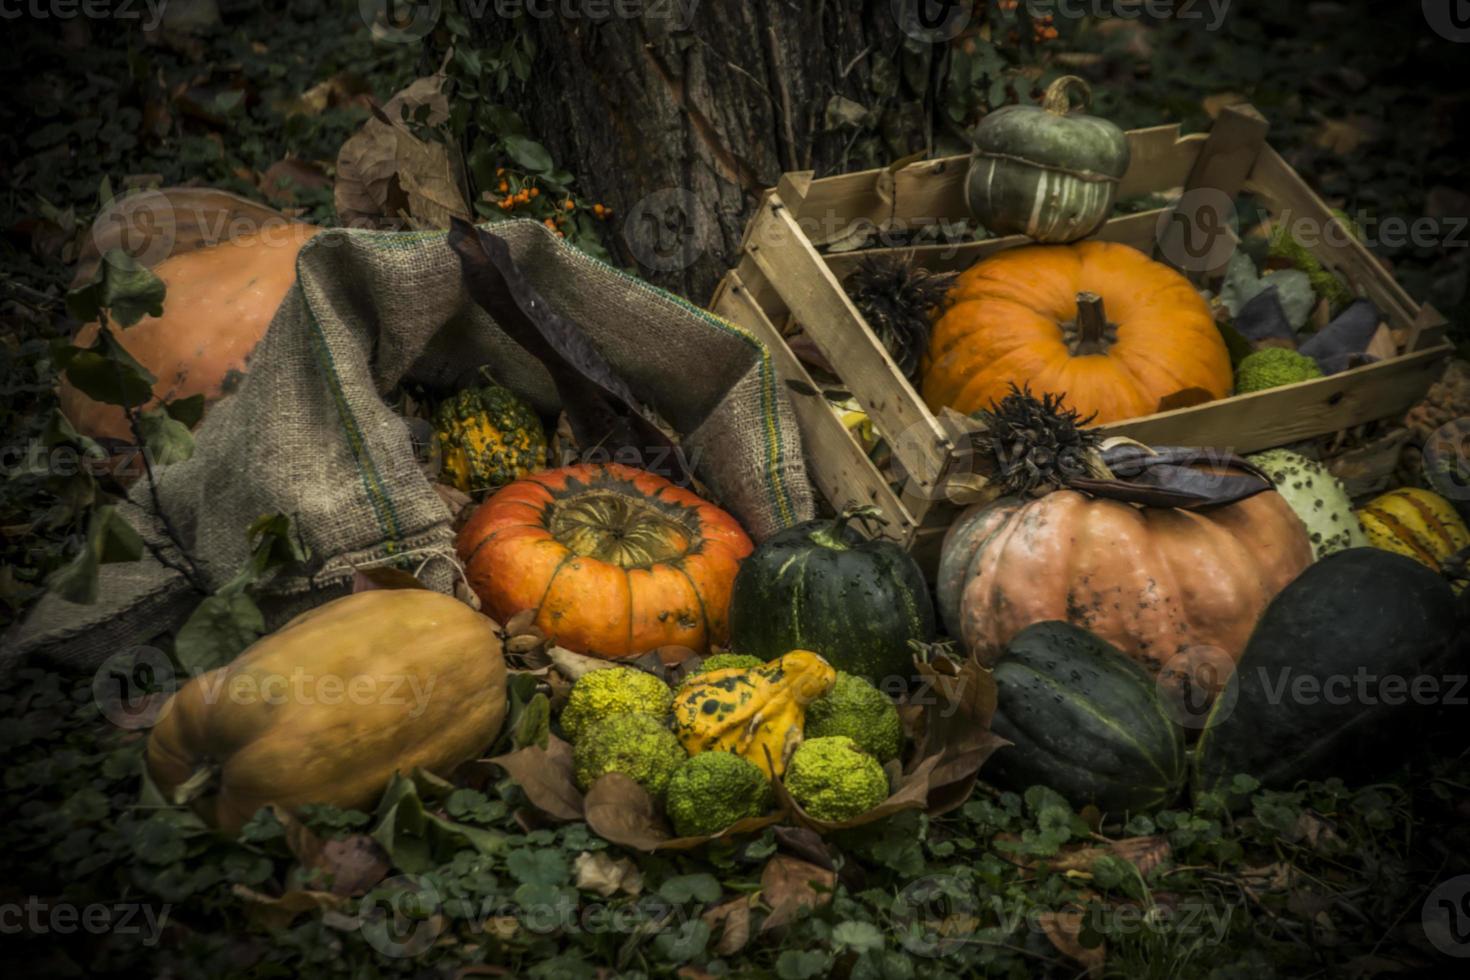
(1049, 172)
(1085, 720)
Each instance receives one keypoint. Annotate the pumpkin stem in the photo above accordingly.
(198, 784)
(1058, 97)
(833, 534)
(1092, 326)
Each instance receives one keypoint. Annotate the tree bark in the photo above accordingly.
(679, 118)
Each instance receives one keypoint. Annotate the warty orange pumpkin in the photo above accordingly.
(1113, 332)
(617, 561)
(219, 302)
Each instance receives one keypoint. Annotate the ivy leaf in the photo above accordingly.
(166, 439)
(799, 964)
(127, 290)
(417, 840)
(861, 936)
(691, 888)
(528, 153)
(106, 372)
(218, 629)
(186, 411)
(538, 867)
(684, 943)
(110, 538)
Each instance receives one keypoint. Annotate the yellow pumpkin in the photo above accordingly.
(753, 712)
(330, 706)
(1113, 332)
(1418, 524)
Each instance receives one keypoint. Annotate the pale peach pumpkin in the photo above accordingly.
(220, 301)
(1155, 582)
(1113, 332)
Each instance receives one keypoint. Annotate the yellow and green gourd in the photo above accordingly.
(488, 438)
(756, 713)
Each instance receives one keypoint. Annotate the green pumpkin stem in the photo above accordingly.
(1058, 97)
(832, 535)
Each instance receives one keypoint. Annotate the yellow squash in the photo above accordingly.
(1417, 523)
(755, 713)
(327, 708)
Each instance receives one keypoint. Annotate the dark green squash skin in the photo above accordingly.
(1357, 609)
(1084, 720)
(857, 604)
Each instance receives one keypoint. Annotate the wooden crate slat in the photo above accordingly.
(934, 190)
(1291, 199)
(1134, 229)
(1159, 159)
(842, 470)
(814, 296)
(1224, 162)
(1277, 416)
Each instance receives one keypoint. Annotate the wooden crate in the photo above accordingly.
(782, 278)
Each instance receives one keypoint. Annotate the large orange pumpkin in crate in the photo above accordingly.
(219, 302)
(617, 561)
(1117, 334)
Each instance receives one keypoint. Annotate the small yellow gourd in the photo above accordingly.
(756, 712)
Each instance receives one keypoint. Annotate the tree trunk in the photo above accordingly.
(679, 118)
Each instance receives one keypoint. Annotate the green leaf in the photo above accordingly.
(799, 964)
(127, 290)
(106, 372)
(691, 888)
(684, 943)
(110, 538)
(539, 866)
(219, 628)
(166, 439)
(417, 840)
(528, 153)
(861, 936)
(186, 411)
(535, 723)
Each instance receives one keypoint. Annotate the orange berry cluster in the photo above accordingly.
(513, 192)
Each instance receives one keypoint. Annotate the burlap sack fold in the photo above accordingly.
(308, 435)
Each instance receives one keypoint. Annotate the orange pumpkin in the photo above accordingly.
(1115, 333)
(617, 561)
(1155, 582)
(220, 301)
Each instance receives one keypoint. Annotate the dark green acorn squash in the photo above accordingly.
(1297, 708)
(1085, 720)
(824, 587)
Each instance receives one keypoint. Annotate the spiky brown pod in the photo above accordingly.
(896, 298)
(1038, 445)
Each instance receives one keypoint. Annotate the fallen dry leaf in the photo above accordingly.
(278, 911)
(1343, 136)
(606, 875)
(545, 774)
(790, 885)
(387, 176)
(1063, 929)
(731, 921)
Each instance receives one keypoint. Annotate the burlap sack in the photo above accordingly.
(308, 435)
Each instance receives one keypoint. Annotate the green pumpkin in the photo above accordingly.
(824, 587)
(1085, 720)
(1311, 696)
(488, 437)
(1049, 172)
